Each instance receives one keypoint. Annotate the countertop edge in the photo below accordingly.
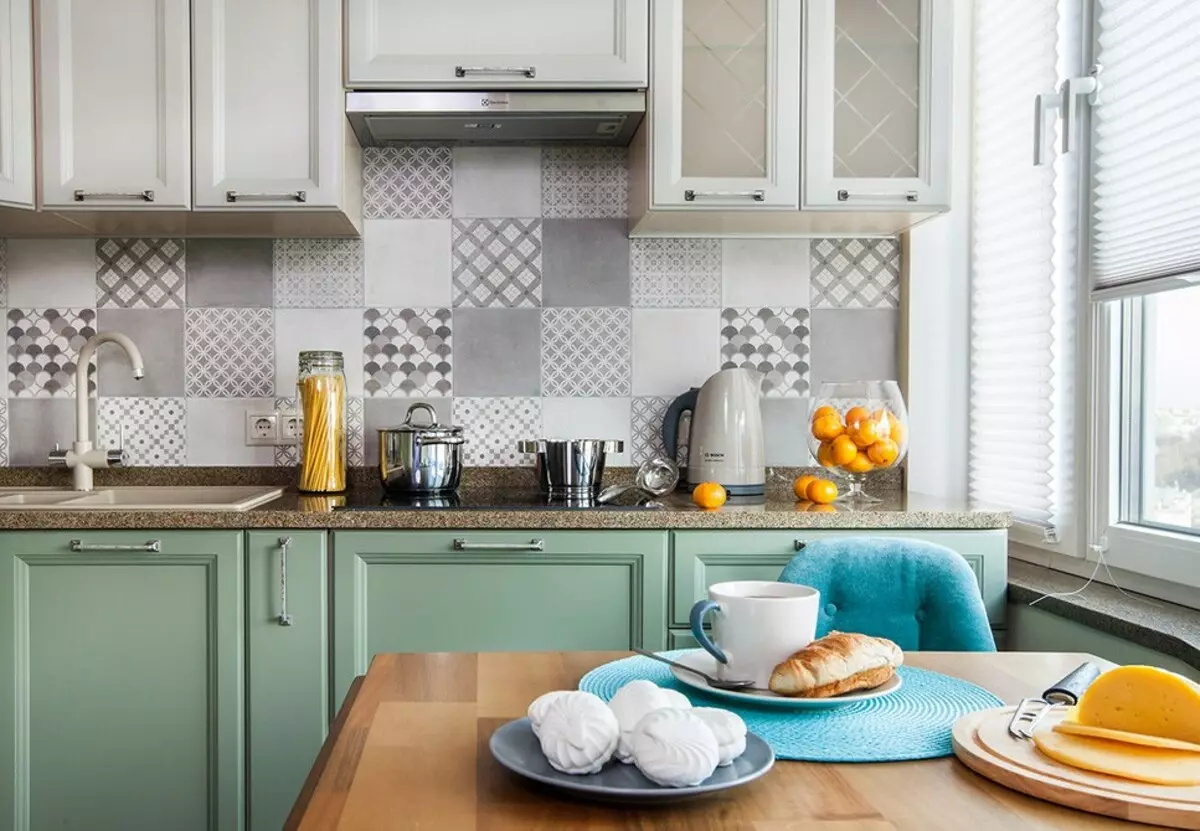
(1154, 624)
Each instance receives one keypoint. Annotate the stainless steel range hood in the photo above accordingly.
(383, 118)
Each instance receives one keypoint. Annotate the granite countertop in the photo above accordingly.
(482, 491)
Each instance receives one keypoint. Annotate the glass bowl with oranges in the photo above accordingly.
(858, 428)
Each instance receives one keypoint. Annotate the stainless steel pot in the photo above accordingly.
(421, 458)
(570, 467)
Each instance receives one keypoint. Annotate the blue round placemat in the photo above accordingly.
(912, 723)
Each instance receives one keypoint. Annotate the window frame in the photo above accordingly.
(1113, 362)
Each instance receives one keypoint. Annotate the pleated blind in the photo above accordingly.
(1146, 145)
(1017, 383)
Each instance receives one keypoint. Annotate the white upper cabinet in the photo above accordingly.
(877, 104)
(269, 122)
(115, 102)
(725, 109)
(16, 104)
(496, 45)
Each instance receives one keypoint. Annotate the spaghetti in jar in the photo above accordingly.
(322, 394)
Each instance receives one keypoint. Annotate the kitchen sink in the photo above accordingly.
(192, 498)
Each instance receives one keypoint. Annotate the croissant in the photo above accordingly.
(838, 663)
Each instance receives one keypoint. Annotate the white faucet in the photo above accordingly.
(82, 459)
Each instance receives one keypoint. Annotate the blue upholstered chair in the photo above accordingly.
(918, 594)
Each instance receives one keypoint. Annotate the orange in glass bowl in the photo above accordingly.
(866, 417)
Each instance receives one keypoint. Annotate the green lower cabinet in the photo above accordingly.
(121, 680)
(702, 558)
(287, 668)
(416, 591)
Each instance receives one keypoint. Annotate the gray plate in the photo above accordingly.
(515, 747)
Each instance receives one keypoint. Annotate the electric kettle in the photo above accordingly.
(725, 442)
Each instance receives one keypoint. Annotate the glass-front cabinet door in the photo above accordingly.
(725, 104)
(877, 104)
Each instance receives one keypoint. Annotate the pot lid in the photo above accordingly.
(431, 429)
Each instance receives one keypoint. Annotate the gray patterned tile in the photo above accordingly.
(155, 429)
(672, 272)
(410, 182)
(3, 432)
(229, 353)
(497, 263)
(35, 425)
(287, 455)
(318, 273)
(855, 345)
(140, 273)
(497, 352)
(855, 273)
(645, 427)
(493, 426)
(407, 353)
(233, 273)
(585, 182)
(772, 341)
(42, 347)
(159, 336)
(585, 262)
(585, 352)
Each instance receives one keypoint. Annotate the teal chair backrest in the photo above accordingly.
(920, 595)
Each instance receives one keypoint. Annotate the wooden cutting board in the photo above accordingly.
(982, 742)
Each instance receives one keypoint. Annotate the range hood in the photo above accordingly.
(380, 119)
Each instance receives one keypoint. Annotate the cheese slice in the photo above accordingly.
(1158, 766)
(1145, 700)
(1073, 728)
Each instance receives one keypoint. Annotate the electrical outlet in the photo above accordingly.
(262, 429)
(289, 428)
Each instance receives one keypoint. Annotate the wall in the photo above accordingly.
(498, 284)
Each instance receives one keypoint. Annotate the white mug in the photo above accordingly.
(758, 624)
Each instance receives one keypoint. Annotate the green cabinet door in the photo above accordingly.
(702, 558)
(416, 591)
(121, 680)
(287, 668)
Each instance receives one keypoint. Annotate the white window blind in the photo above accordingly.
(1020, 379)
(1146, 145)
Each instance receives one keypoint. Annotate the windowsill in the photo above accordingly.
(1155, 624)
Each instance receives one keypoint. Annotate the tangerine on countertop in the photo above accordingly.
(709, 495)
(822, 492)
(842, 450)
(817, 508)
(800, 486)
(828, 427)
(860, 464)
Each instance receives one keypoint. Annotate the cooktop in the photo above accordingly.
(493, 501)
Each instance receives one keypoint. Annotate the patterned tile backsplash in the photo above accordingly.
(496, 284)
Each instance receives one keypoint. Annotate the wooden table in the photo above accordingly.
(409, 751)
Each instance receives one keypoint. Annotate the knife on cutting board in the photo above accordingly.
(1065, 693)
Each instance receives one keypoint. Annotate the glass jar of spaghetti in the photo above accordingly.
(322, 385)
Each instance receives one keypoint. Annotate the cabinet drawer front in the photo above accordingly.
(482, 43)
(121, 681)
(700, 559)
(414, 592)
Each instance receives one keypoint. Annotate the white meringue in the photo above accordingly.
(675, 748)
(729, 729)
(537, 710)
(578, 732)
(632, 702)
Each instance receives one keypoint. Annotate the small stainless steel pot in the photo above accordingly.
(421, 458)
(570, 467)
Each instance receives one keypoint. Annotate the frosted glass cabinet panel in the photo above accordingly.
(726, 105)
(878, 75)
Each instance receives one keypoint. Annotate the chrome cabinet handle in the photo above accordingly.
(907, 196)
(152, 547)
(525, 71)
(287, 196)
(532, 545)
(284, 618)
(799, 545)
(690, 195)
(143, 195)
